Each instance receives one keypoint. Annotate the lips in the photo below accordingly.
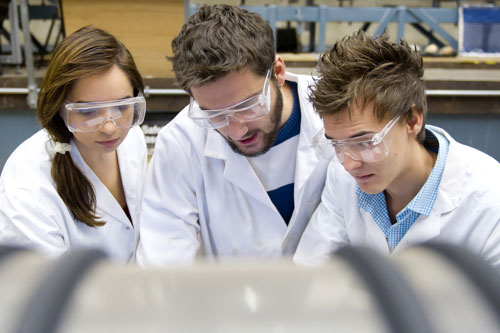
(109, 143)
(363, 178)
(250, 140)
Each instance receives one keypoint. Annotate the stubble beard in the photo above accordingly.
(268, 137)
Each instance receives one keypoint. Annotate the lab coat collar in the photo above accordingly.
(104, 199)
(306, 159)
(129, 168)
(215, 146)
(451, 186)
(422, 230)
(449, 194)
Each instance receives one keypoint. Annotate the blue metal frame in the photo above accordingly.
(383, 15)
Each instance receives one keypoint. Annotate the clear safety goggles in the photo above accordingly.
(91, 116)
(366, 148)
(250, 109)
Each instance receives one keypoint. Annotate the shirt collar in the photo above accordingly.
(423, 202)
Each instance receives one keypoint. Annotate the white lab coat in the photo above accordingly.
(201, 198)
(33, 215)
(466, 211)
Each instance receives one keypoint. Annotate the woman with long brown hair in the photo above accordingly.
(78, 181)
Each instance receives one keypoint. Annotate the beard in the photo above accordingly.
(269, 135)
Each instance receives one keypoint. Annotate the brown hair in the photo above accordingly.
(87, 51)
(218, 39)
(363, 69)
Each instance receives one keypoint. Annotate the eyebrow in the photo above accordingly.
(244, 99)
(119, 99)
(356, 135)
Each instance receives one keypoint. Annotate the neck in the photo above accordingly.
(406, 187)
(107, 169)
(99, 162)
(286, 91)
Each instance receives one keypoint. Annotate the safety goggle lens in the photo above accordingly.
(253, 108)
(367, 148)
(88, 117)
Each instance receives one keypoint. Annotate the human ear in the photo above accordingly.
(414, 124)
(279, 70)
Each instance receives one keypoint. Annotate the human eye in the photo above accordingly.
(124, 107)
(219, 117)
(246, 104)
(358, 146)
(90, 112)
(250, 110)
(366, 144)
(218, 120)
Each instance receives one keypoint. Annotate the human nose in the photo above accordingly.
(109, 126)
(350, 163)
(237, 129)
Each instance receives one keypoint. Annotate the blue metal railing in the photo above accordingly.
(403, 15)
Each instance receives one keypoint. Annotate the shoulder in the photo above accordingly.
(304, 83)
(30, 160)
(135, 138)
(302, 80)
(132, 151)
(132, 154)
(466, 156)
(310, 120)
(26, 179)
(472, 159)
(481, 172)
(181, 132)
(35, 145)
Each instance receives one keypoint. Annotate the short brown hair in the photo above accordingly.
(87, 51)
(363, 69)
(218, 39)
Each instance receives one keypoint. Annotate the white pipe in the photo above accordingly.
(174, 92)
(14, 91)
(462, 92)
(148, 91)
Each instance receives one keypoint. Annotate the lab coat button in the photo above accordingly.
(127, 227)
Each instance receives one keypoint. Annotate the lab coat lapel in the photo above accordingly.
(449, 193)
(452, 181)
(310, 171)
(306, 159)
(424, 229)
(373, 236)
(237, 169)
(130, 166)
(106, 203)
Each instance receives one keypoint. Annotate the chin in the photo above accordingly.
(107, 150)
(250, 151)
(370, 189)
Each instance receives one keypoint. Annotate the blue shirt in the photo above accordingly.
(422, 203)
(282, 197)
